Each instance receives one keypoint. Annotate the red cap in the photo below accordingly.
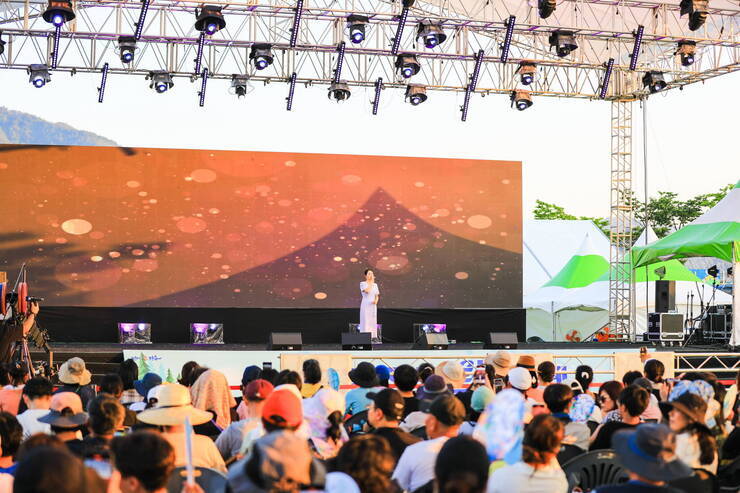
(258, 390)
(282, 408)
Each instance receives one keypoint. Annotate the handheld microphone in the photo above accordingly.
(32, 299)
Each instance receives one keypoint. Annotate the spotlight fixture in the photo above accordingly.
(339, 91)
(126, 48)
(401, 24)
(431, 34)
(546, 8)
(206, 333)
(199, 52)
(654, 81)
(209, 19)
(356, 24)
(38, 75)
(239, 85)
(291, 91)
(407, 65)
(416, 94)
(376, 99)
(340, 62)
(636, 48)
(697, 10)
(607, 76)
(134, 333)
(261, 56)
(58, 12)
(509, 23)
(161, 81)
(526, 71)
(563, 41)
(521, 99)
(687, 51)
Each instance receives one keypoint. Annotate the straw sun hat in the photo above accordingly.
(172, 407)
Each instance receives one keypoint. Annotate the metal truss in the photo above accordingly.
(621, 320)
(602, 30)
(724, 365)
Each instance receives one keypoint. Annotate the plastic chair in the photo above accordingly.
(701, 481)
(355, 424)
(569, 452)
(729, 477)
(210, 480)
(593, 469)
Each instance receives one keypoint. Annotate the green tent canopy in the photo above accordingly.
(671, 270)
(716, 233)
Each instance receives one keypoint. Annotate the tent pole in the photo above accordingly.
(735, 337)
(552, 309)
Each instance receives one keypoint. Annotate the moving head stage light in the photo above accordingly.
(357, 25)
(209, 19)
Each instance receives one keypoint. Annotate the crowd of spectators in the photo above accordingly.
(506, 427)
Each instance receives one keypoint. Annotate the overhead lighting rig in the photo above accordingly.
(472, 84)
(357, 25)
(38, 75)
(376, 99)
(697, 11)
(126, 48)
(509, 23)
(407, 65)
(430, 34)
(401, 25)
(654, 81)
(527, 71)
(209, 19)
(339, 91)
(636, 48)
(609, 66)
(545, 8)
(261, 56)
(239, 85)
(687, 51)
(564, 42)
(521, 99)
(161, 81)
(416, 94)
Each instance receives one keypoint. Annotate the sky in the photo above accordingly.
(563, 144)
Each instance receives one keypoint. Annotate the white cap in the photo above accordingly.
(519, 378)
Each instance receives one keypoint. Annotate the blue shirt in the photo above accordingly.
(357, 400)
(9, 470)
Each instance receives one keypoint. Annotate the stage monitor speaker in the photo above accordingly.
(286, 341)
(665, 296)
(432, 340)
(665, 327)
(359, 341)
(502, 340)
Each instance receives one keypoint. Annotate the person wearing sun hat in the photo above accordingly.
(648, 452)
(695, 444)
(173, 405)
(502, 361)
(365, 377)
(67, 419)
(452, 372)
(75, 377)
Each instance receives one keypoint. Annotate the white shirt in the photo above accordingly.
(523, 478)
(689, 451)
(29, 420)
(415, 468)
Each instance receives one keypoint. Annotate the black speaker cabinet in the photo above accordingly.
(432, 341)
(502, 340)
(665, 296)
(286, 341)
(361, 341)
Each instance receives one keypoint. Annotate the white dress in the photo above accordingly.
(369, 310)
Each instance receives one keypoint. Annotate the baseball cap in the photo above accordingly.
(389, 401)
(481, 397)
(448, 410)
(519, 378)
(283, 409)
(258, 390)
(252, 372)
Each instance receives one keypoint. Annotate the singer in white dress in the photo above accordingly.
(369, 305)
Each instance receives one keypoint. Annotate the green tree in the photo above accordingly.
(143, 365)
(546, 210)
(170, 378)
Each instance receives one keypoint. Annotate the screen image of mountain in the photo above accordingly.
(105, 226)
